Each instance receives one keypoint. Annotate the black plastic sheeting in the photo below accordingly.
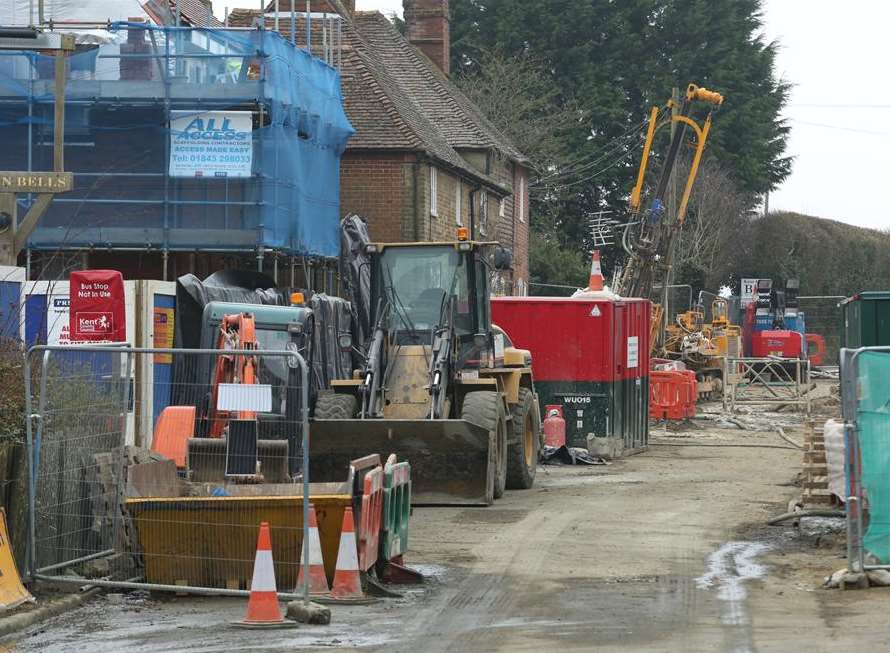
(192, 295)
(355, 272)
(569, 456)
(333, 317)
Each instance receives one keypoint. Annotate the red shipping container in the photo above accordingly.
(589, 355)
(97, 306)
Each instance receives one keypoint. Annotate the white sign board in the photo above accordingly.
(57, 320)
(633, 351)
(239, 396)
(749, 291)
(211, 144)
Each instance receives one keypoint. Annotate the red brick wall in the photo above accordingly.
(379, 187)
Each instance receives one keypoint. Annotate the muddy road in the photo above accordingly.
(665, 551)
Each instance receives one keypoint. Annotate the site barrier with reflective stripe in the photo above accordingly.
(396, 509)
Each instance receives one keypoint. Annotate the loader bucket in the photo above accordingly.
(452, 461)
(207, 460)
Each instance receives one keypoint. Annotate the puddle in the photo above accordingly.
(729, 568)
(429, 572)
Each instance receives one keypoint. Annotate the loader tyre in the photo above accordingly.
(335, 406)
(522, 455)
(486, 409)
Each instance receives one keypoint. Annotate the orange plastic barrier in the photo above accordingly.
(815, 348)
(175, 426)
(672, 394)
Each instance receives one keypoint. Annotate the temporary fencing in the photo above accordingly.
(369, 526)
(764, 381)
(396, 509)
(106, 512)
(865, 377)
(672, 394)
(824, 317)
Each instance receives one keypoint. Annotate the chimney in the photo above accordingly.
(428, 29)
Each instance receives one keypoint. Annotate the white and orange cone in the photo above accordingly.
(347, 580)
(263, 610)
(318, 581)
(596, 272)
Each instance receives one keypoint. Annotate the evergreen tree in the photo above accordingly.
(614, 60)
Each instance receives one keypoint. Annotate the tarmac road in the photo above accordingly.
(665, 551)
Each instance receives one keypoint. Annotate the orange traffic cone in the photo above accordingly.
(318, 581)
(347, 581)
(263, 610)
(596, 272)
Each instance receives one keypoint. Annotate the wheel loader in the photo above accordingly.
(437, 387)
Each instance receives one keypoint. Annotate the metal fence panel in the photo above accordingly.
(865, 375)
(765, 381)
(184, 514)
(824, 317)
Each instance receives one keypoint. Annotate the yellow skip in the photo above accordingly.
(12, 592)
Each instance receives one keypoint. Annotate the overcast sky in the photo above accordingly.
(838, 108)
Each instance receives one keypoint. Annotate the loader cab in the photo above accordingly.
(420, 288)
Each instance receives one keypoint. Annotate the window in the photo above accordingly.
(483, 213)
(418, 283)
(502, 210)
(434, 192)
(521, 199)
(457, 203)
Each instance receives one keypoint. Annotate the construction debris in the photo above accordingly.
(308, 613)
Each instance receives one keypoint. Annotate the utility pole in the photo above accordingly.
(14, 234)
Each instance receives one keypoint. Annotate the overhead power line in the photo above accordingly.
(839, 106)
(839, 127)
(584, 162)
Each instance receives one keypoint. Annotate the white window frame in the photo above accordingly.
(521, 198)
(502, 208)
(434, 191)
(483, 213)
(458, 218)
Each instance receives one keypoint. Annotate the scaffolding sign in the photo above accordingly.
(211, 144)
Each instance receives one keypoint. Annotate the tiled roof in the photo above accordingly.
(243, 17)
(454, 115)
(196, 13)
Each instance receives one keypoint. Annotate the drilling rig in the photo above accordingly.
(649, 238)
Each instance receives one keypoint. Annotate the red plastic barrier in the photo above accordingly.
(672, 394)
(369, 522)
(815, 348)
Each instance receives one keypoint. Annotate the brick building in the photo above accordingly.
(423, 160)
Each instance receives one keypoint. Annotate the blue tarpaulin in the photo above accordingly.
(126, 103)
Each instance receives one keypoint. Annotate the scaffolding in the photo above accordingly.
(152, 127)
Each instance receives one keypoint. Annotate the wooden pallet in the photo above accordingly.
(815, 469)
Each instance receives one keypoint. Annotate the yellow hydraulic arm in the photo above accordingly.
(649, 239)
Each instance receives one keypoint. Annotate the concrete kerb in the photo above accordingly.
(19, 621)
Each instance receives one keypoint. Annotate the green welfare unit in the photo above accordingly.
(866, 319)
(589, 355)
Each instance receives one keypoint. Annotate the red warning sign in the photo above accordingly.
(97, 306)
